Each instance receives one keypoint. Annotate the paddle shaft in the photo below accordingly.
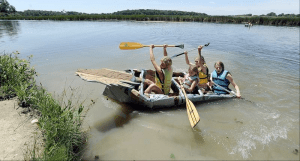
(188, 51)
(136, 45)
(162, 45)
(224, 89)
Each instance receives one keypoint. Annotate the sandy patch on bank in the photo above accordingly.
(17, 133)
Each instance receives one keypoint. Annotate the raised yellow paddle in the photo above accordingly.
(191, 109)
(135, 45)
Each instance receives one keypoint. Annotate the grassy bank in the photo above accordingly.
(59, 121)
(260, 20)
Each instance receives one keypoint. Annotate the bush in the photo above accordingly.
(60, 122)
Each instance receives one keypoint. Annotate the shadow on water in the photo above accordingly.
(122, 116)
(11, 28)
(127, 112)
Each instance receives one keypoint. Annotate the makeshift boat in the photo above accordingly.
(128, 87)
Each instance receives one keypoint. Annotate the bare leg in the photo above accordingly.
(153, 88)
(147, 83)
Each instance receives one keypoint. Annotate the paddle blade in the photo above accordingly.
(130, 45)
(192, 113)
(180, 46)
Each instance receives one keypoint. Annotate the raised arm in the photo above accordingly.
(165, 50)
(200, 60)
(229, 77)
(152, 58)
(187, 58)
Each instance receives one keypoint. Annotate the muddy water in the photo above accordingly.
(264, 62)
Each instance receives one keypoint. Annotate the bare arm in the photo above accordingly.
(203, 68)
(229, 77)
(152, 58)
(187, 58)
(192, 87)
(165, 50)
(210, 82)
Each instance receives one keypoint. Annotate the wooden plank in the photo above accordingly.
(107, 73)
(108, 77)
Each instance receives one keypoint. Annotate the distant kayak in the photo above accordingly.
(248, 25)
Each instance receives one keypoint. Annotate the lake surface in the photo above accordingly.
(264, 62)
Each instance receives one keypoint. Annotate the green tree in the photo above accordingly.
(271, 14)
(11, 9)
(5, 7)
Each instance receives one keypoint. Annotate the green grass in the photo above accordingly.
(60, 121)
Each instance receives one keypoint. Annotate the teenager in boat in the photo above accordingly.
(202, 70)
(223, 78)
(190, 80)
(163, 75)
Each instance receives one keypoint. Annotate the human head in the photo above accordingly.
(197, 60)
(193, 70)
(219, 66)
(165, 62)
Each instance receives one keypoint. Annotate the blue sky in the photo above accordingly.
(210, 7)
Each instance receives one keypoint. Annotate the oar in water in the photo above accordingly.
(188, 51)
(191, 109)
(135, 45)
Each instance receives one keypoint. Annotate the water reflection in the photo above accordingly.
(10, 28)
(198, 135)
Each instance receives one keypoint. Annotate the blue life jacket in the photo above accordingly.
(220, 79)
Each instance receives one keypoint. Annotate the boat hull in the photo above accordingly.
(133, 93)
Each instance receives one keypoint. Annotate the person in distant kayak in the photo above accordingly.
(202, 70)
(223, 78)
(190, 80)
(163, 74)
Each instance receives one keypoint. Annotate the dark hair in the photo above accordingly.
(220, 63)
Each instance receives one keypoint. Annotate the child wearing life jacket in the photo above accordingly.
(163, 76)
(190, 80)
(203, 72)
(223, 78)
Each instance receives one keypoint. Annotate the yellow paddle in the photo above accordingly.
(191, 109)
(135, 45)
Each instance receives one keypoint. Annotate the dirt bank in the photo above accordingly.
(17, 133)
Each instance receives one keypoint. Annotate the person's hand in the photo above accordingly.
(180, 80)
(200, 47)
(238, 95)
(152, 46)
(185, 52)
(165, 46)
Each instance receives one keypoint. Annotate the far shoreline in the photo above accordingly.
(255, 20)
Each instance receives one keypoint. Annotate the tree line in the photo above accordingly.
(8, 12)
(157, 12)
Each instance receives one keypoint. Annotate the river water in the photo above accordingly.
(264, 62)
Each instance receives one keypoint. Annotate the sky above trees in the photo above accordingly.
(210, 7)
